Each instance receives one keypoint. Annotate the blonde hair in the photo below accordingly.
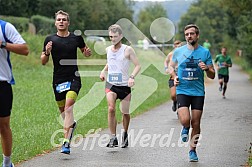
(62, 13)
(115, 28)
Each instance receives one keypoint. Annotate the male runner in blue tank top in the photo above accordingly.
(119, 82)
(192, 60)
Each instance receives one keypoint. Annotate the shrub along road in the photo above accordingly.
(154, 136)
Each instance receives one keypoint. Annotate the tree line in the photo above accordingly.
(224, 23)
(86, 14)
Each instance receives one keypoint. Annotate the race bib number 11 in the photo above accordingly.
(190, 74)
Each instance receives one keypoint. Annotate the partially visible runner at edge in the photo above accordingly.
(172, 87)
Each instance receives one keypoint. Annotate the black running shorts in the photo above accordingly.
(6, 99)
(226, 77)
(196, 102)
(75, 86)
(121, 91)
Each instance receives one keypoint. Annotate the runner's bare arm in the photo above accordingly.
(210, 71)
(171, 69)
(208, 68)
(44, 58)
(21, 49)
(103, 74)
(167, 61)
(86, 51)
(130, 53)
(45, 55)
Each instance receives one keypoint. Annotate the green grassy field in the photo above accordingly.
(35, 115)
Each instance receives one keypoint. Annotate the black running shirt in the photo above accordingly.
(64, 48)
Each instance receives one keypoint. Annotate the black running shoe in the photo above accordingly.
(113, 142)
(174, 106)
(125, 141)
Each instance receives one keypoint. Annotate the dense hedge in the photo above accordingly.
(44, 25)
(21, 23)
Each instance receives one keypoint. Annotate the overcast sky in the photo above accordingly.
(162, 0)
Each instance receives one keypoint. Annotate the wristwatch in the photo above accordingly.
(207, 69)
(3, 44)
(47, 54)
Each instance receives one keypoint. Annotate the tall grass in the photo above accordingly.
(243, 63)
(35, 115)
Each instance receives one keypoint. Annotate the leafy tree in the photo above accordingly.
(48, 7)
(32, 8)
(223, 22)
(84, 14)
(240, 16)
(101, 14)
(13, 7)
(148, 15)
(89, 14)
(20, 8)
(211, 19)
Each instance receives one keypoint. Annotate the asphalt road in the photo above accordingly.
(155, 141)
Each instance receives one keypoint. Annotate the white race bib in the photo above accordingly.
(115, 77)
(190, 74)
(63, 87)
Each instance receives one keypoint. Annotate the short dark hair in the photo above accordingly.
(197, 30)
(177, 42)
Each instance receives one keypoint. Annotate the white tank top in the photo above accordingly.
(118, 66)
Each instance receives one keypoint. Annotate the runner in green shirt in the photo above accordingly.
(223, 62)
(206, 44)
